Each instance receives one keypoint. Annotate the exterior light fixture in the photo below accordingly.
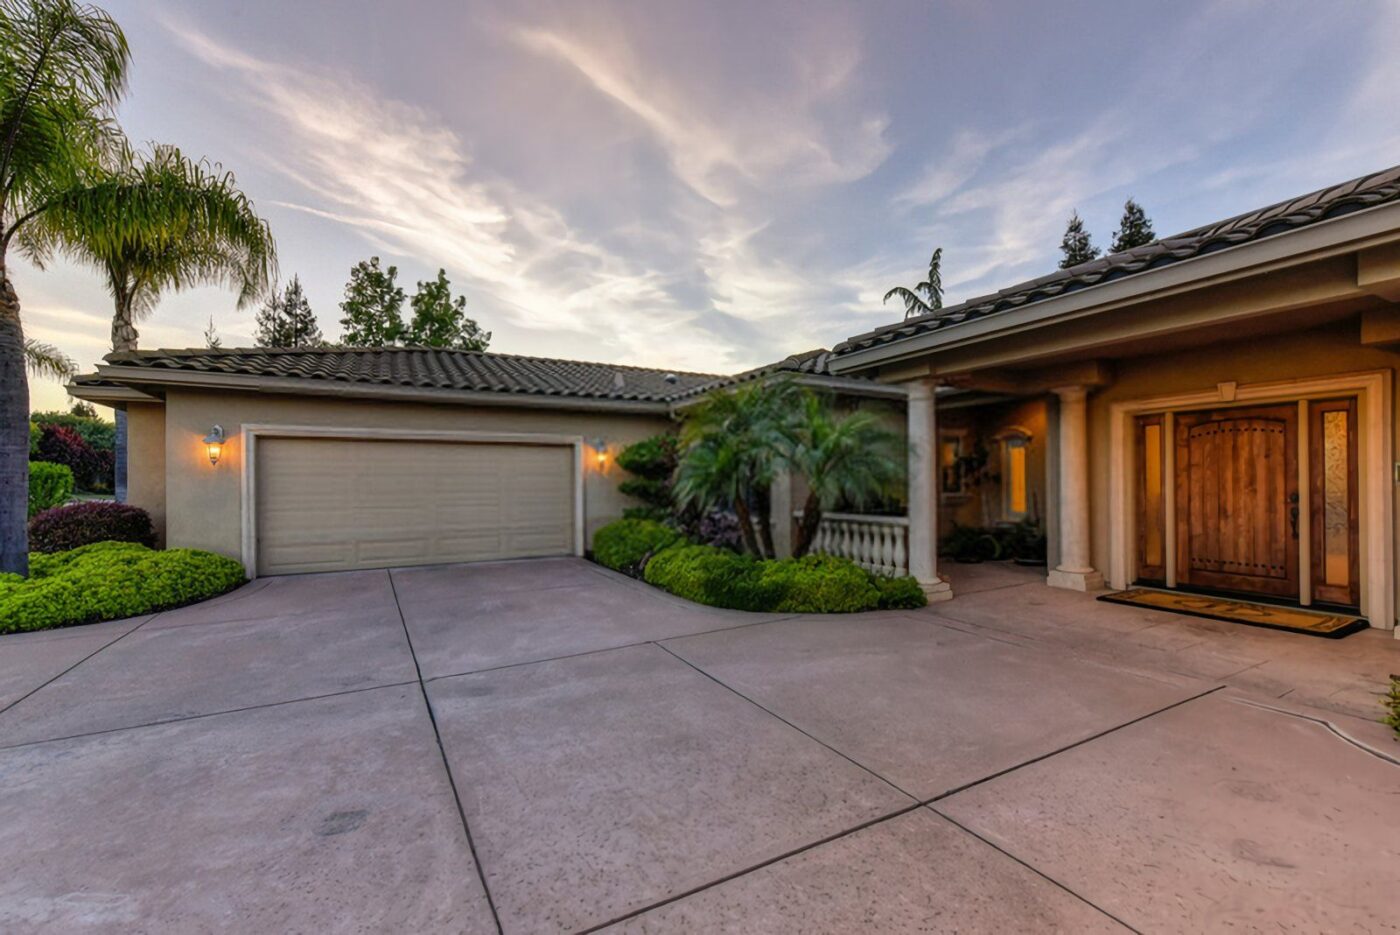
(600, 451)
(214, 443)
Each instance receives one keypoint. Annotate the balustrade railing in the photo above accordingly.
(875, 543)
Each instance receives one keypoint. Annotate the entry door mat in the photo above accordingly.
(1275, 617)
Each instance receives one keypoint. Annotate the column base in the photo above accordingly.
(937, 590)
(1089, 580)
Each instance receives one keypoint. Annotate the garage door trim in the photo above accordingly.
(252, 432)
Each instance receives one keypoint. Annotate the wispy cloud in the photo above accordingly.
(774, 138)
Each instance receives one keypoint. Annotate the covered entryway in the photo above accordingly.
(337, 504)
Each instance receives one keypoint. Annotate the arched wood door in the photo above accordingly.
(1237, 502)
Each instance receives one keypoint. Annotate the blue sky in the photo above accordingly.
(711, 186)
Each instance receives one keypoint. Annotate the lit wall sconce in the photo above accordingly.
(214, 443)
(600, 452)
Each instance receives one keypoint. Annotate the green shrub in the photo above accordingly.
(108, 581)
(652, 458)
(899, 593)
(814, 584)
(624, 545)
(819, 584)
(50, 485)
(1391, 701)
(713, 576)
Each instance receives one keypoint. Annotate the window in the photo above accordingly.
(1015, 477)
(952, 481)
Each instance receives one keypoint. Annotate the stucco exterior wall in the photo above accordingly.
(145, 440)
(1329, 350)
(983, 506)
(203, 502)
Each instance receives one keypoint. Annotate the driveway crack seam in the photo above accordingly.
(779, 858)
(80, 662)
(1040, 873)
(442, 752)
(1070, 746)
(784, 720)
(198, 717)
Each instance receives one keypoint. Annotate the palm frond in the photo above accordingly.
(45, 360)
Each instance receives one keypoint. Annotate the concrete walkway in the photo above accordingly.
(545, 746)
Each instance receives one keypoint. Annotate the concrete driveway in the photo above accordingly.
(545, 746)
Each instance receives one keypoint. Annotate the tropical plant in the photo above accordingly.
(731, 442)
(927, 296)
(63, 67)
(849, 458)
(1076, 246)
(373, 306)
(45, 360)
(440, 320)
(1134, 229)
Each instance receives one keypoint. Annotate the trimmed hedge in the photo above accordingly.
(50, 485)
(625, 544)
(70, 527)
(109, 581)
(814, 584)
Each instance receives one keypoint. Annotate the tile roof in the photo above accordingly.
(430, 368)
(1356, 195)
(808, 362)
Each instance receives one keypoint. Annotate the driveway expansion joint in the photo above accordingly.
(446, 765)
(81, 661)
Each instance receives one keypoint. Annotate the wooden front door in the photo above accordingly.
(1237, 503)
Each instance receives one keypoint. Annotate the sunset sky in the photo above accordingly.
(713, 185)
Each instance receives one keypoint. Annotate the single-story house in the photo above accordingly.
(1213, 411)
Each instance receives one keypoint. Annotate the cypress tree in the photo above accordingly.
(1134, 229)
(1076, 245)
(286, 320)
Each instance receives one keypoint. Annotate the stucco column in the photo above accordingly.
(923, 491)
(1076, 569)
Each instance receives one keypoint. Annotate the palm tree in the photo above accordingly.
(927, 296)
(198, 230)
(730, 444)
(62, 68)
(847, 459)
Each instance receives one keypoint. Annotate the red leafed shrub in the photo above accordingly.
(60, 444)
(68, 527)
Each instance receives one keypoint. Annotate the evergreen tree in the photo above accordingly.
(439, 320)
(1134, 229)
(211, 337)
(1076, 245)
(286, 320)
(373, 306)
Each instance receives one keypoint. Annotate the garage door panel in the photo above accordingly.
(337, 504)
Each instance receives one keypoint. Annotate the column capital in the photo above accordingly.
(1072, 393)
(923, 388)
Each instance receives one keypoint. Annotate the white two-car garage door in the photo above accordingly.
(333, 504)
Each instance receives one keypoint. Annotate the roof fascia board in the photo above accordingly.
(1357, 230)
(297, 386)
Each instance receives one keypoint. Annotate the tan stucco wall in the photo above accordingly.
(145, 481)
(1333, 349)
(203, 502)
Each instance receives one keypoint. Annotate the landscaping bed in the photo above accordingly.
(109, 581)
(720, 577)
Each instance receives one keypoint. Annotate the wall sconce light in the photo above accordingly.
(214, 443)
(600, 451)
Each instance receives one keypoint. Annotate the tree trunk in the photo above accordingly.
(807, 529)
(741, 510)
(14, 435)
(764, 521)
(124, 338)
